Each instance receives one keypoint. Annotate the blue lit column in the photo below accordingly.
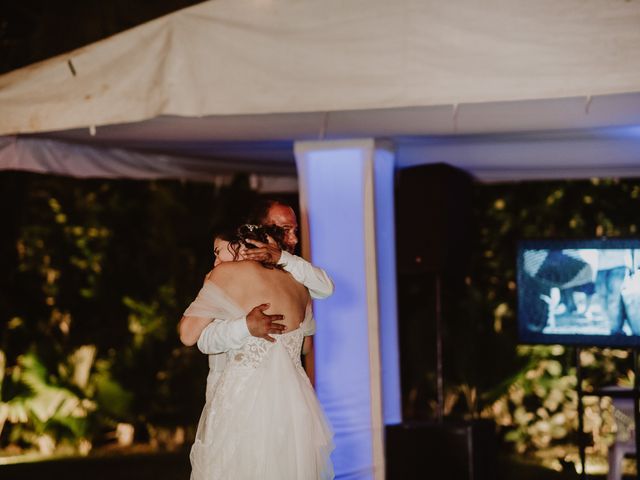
(346, 198)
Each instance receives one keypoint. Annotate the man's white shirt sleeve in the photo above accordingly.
(315, 279)
(223, 335)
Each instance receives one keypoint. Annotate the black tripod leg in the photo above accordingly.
(582, 447)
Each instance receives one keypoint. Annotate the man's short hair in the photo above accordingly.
(260, 210)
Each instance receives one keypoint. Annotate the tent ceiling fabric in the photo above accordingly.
(225, 57)
(610, 153)
(227, 85)
(492, 117)
(561, 138)
(43, 155)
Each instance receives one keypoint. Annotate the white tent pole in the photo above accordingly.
(339, 181)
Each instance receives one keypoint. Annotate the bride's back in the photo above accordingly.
(249, 284)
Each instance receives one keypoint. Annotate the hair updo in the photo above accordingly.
(261, 233)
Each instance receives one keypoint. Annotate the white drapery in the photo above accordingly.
(225, 57)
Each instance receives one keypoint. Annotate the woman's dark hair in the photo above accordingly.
(260, 233)
(228, 235)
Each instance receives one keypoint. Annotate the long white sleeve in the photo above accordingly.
(223, 335)
(314, 278)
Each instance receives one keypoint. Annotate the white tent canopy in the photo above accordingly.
(507, 90)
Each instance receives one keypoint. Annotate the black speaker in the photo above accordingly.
(441, 451)
(433, 219)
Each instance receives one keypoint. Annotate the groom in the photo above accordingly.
(215, 336)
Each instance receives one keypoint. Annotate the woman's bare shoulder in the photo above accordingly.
(227, 269)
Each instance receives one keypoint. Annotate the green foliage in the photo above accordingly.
(539, 407)
(98, 275)
(146, 323)
(113, 400)
(536, 404)
(44, 408)
(528, 390)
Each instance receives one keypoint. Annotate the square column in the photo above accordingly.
(346, 200)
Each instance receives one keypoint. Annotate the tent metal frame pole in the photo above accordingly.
(582, 447)
(439, 351)
(636, 408)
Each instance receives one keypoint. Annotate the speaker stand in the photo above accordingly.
(439, 352)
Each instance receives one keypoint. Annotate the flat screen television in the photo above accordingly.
(579, 292)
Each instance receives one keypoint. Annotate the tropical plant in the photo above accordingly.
(536, 403)
(530, 391)
(97, 275)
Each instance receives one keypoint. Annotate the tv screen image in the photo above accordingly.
(579, 292)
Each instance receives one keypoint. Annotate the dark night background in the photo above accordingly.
(34, 30)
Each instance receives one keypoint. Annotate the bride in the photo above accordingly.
(262, 420)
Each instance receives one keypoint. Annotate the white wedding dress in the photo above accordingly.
(261, 420)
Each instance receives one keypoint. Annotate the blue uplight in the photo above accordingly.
(335, 182)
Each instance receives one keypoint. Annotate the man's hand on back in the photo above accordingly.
(261, 324)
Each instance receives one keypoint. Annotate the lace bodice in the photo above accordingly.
(255, 349)
(261, 418)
